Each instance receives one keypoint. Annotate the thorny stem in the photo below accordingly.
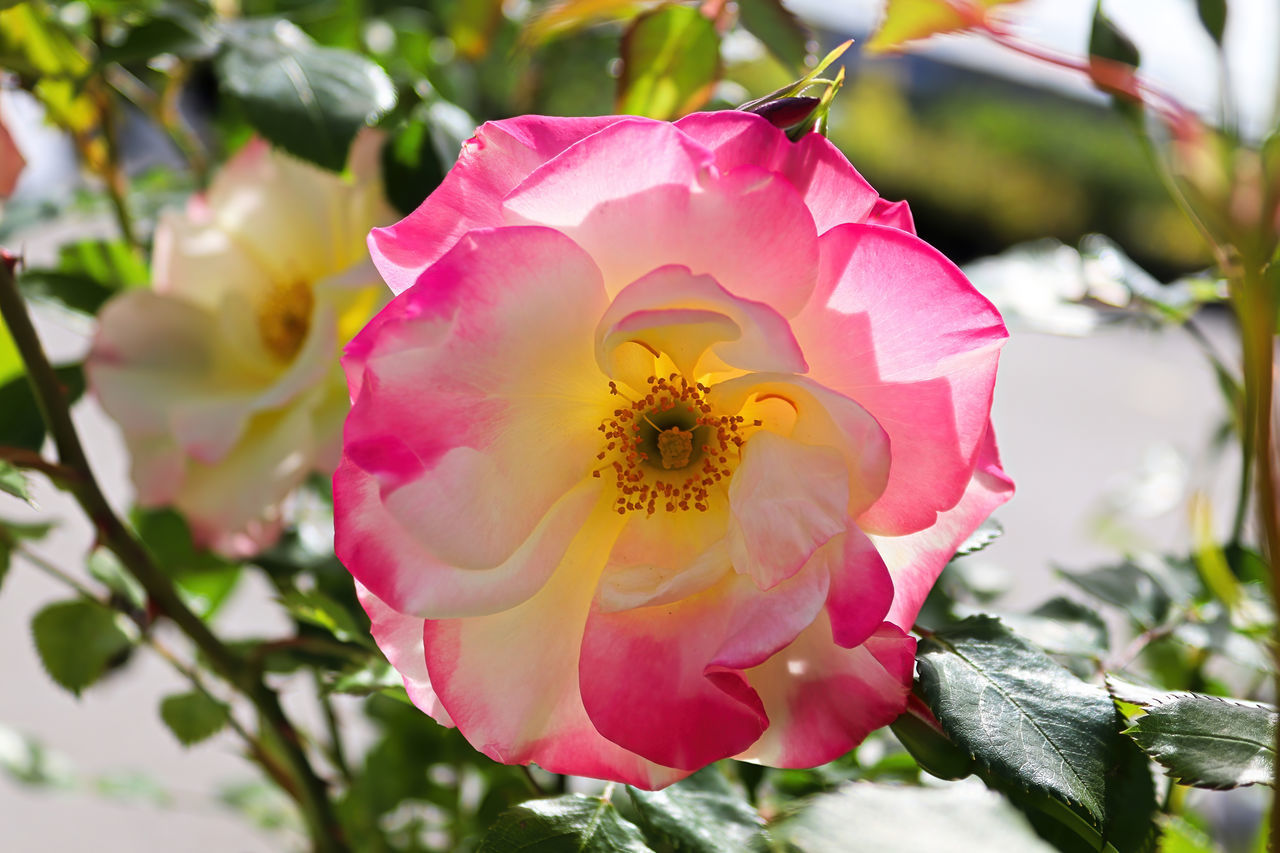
(310, 790)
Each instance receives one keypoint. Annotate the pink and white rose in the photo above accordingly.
(661, 444)
(224, 376)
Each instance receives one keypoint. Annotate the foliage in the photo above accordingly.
(1029, 712)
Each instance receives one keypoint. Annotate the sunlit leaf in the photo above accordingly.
(575, 823)
(1203, 741)
(670, 63)
(908, 20)
(1035, 728)
(568, 16)
(779, 29)
(307, 99)
(863, 816)
(701, 814)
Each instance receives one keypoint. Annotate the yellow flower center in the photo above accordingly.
(668, 448)
(284, 317)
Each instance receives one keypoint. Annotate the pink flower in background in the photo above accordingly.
(660, 446)
(11, 162)
(224, 376)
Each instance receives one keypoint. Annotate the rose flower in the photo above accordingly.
(659, 447)
(224, 376)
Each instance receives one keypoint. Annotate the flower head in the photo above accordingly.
(657, 451)
(224, 375)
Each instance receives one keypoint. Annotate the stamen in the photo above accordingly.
(696, 436)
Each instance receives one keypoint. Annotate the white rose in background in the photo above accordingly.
(224, 376)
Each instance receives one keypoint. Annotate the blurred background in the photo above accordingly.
(1108, 426)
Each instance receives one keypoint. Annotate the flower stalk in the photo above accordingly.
(310, 791)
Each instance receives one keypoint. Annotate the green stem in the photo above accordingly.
(1255, 304)
(311, 791)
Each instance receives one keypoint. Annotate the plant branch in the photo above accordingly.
(311, 790)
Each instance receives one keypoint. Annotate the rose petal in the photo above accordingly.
(897, 327)
(499, 334)
(491, 164)
(823, 700)
(750, 335)
(658, 202)
(510, 680)
(400, 638)
(892, 214)
(666, 681)
(822, 418)
(915, 561)
(832, 189)
(787, 499)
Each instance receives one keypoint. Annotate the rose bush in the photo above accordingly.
(657, 451)
(224, 376)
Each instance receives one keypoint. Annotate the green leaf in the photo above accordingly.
(1063, 627)
(569, 16)
(76, 640)
(702, 814)
(14, 482)
(1201, 740)
(378, 677)
(172, 31)
(1127, 586)
(316, 608)
(193, 717)
(1106, 40)
(1213, 15)
(307, 99)
(411, 168)
(575, 823)
(670, 63)
(779, 29)
(1034, 727)
(11, 533)
(924, 739)
(988, 531)
(908, 20)
(864, 816)
(204, 578)
(105, 567)
(21, 424)
(1177, 835)
(77, 292)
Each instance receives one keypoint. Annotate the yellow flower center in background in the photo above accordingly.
(669, 449)
(284, 317)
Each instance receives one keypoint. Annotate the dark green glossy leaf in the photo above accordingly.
(1062, 627)
(921, 735)
(575, 823)
(701, 814)
(175, 32)
(1034, 727)
(1204, 741)
(105, 567)
(76, 640)
(411, 167)
(193, 717)
(865, 816)
(670, 63)
(779, 29)
(307, 99)
(1127, 586)
(20, 422)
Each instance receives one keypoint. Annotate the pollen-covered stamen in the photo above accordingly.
(668, 449)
